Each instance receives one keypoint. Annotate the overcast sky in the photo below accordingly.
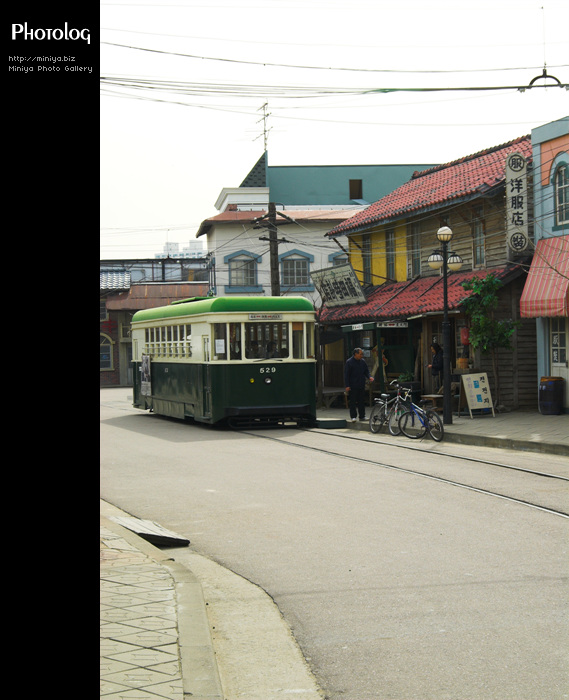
(184, 84)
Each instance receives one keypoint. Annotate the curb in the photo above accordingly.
(486, 441)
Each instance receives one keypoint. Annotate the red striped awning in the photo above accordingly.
(546, 288)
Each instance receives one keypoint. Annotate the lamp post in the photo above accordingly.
(453, 262)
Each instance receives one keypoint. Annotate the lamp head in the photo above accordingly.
(444, 234)
(454, 262)
(435, 260)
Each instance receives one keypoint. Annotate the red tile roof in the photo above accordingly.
(148, 296)
(230, 216)
(460, 180)
(401, 300)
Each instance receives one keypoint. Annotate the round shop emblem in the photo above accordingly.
(518, 241)
(516, 162)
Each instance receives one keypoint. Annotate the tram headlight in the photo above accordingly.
(267, 380)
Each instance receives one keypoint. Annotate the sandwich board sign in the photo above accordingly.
(477, 392)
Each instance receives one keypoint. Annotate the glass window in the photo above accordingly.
(298, 340)
(235, 341)
(366, 258)
(310, 340)
(266, 340)
(242, 271)
(558, 328)
(295, 272)
(339, 260)
(478, 237)
(390, 252)
(106, 353)
(415, 251)
(219, 341)
(562, 195)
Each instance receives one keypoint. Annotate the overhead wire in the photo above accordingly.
(265, 64)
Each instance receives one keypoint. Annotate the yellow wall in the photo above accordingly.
(378, 258)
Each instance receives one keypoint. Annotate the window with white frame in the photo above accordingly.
(295, 271)
(242, 271)
(561, 187)
(558, 337)
(106, 353)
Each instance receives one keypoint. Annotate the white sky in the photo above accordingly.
(166, 155)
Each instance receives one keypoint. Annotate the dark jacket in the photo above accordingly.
(355, 373)
(437, 364)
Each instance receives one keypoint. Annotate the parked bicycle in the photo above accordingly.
(416, 421)
(388, 409)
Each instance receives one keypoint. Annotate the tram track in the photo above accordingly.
(540, 476)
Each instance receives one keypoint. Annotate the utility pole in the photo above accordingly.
(271, 225)
(274, 251)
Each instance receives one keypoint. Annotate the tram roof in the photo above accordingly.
(205, 305)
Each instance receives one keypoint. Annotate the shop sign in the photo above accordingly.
(517, 202)
(338, 286)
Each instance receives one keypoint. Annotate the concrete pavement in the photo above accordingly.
(158, 639)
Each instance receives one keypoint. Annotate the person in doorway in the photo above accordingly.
(436, 365)
(356, 372)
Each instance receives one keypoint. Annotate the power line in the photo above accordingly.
(265, 64)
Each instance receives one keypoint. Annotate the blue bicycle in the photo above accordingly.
(415, 422)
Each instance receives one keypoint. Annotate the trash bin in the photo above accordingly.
(551, 396)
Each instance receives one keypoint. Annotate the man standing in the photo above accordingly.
(355, 374)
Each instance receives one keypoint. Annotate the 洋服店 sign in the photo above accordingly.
(517, 202)
(338, 286)
(392, 324)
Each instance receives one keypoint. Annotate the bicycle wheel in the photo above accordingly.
(411, 425)
(435, 426)
(393, 419)
(377, 417)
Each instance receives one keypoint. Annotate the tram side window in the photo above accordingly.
(310, 351)
(235, 341)
(298, 340)
(219, 341)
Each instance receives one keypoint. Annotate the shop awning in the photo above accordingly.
(546, 289)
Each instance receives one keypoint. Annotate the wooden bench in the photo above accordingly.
(331, 393)
(434, 399)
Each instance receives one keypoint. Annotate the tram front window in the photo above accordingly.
(266, 340)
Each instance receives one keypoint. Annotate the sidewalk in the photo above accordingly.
(519, 430)
(155, 637)
(156, 640)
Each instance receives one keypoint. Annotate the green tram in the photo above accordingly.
(239, 361)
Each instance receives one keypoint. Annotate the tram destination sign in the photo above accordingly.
(338, 286)
(265, 317)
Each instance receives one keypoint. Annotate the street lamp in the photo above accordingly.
(453, 262)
